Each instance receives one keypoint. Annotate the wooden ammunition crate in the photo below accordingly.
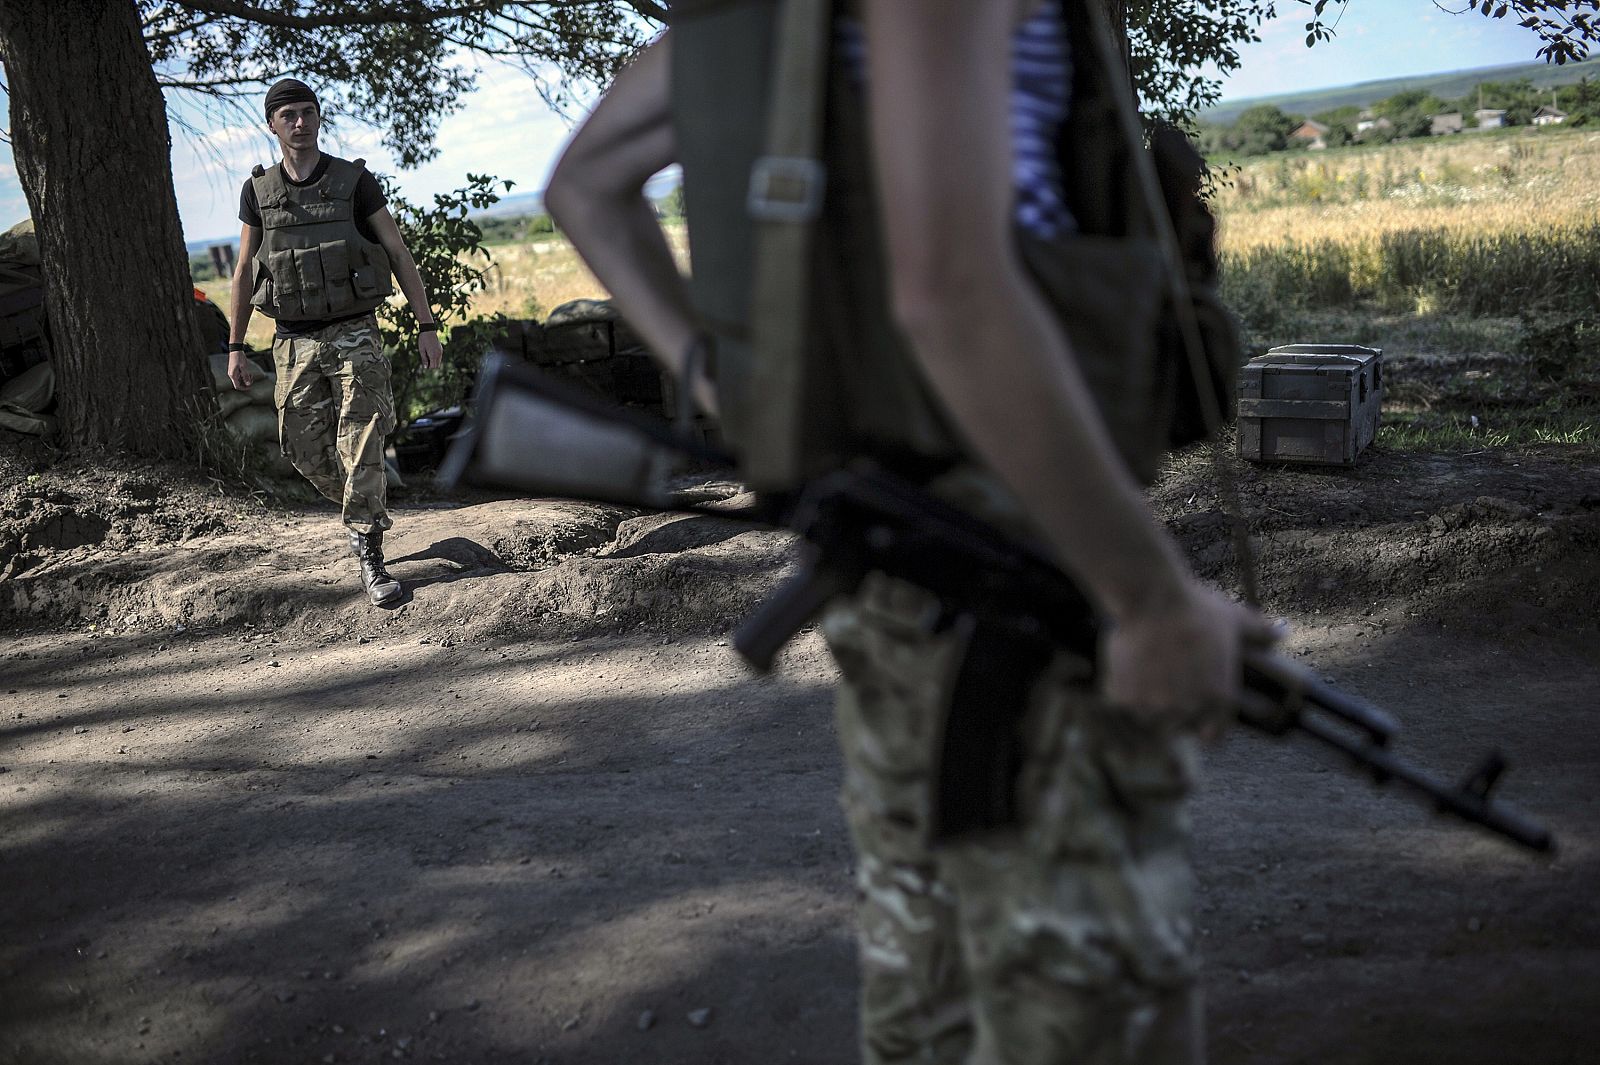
(1312, 403)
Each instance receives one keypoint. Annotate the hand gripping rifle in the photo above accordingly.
(1013, 606)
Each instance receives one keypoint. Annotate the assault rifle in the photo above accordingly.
(1013, 606)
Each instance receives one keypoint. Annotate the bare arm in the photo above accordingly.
(239, 306)
(405, 272)
(596, 195)
(939, 72)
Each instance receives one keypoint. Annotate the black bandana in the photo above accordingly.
(288, 91)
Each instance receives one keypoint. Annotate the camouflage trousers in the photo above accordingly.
(334, 411)
(1068, 939)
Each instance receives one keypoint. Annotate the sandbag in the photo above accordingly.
(258, 425)
(230, 399)
(19, 245)
(31, 391)
(229, 402)
(581, 312)
(219, 374)
(22, 421)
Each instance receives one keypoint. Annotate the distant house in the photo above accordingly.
(1310, 134)
(1368, 120)
(1489, 118)
(1549, 116)
(1446, 124)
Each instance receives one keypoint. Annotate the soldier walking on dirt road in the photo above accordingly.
(1067, 935)
(315, 254)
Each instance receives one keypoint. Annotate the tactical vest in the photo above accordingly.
(313, 261)
(860, 392)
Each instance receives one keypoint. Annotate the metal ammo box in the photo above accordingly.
(1314, 403)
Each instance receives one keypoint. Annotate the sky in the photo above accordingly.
(505, 130)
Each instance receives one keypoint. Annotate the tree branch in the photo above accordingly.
(213, 86)
(410, 15)
(650, 10)
(177, 31)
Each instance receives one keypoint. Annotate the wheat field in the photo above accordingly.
(1475, 221)
(1502, 223)
(1480, 183)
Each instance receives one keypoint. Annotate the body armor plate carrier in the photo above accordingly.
(314, 263)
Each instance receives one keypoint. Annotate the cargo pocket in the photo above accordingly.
(1100, 784)
(284, 285)
(376, 375)
(313, 293)
(336, 275)
(1096, 893)
(283, 360)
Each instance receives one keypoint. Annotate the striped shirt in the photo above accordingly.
(1041, 92)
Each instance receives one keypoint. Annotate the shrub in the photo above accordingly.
(448, 248)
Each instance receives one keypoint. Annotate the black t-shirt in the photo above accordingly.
(368, 200)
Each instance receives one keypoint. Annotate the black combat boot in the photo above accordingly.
(381, 588)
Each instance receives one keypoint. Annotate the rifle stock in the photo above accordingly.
(537, 434)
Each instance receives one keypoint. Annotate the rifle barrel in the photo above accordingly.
(1479, 809)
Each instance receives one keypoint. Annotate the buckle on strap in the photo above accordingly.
(786, 188)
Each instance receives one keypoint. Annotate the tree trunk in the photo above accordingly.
(89, 131)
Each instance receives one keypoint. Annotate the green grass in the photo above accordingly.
(1412, 431)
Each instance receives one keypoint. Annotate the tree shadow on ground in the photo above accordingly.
(471, 556)
(684, 534)
(463, 559)
(292, 875)
(223, 876)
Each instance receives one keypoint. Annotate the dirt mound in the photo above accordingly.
(502, 568)
(1512, 539)
(1501, 540)
(49, 512)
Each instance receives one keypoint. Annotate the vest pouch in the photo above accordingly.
(313, 290)
(335, 256)
(371, 278)
(285, 284)
(263, 292)
(1103, 291)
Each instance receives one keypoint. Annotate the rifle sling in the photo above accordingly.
(1149, 183)
(786, 201)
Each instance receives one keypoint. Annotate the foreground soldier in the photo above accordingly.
(1067, 937)
(315, 253)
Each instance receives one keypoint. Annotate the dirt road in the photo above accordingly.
(542, 813)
